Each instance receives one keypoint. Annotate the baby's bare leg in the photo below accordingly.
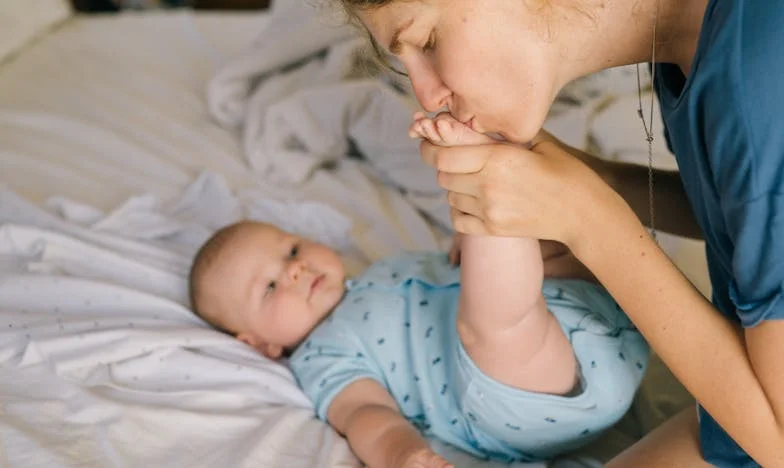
(503, 320)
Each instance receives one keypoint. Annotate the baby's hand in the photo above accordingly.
(425, 458)
(445, 130)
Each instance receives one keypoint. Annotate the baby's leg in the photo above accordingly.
(503, 320)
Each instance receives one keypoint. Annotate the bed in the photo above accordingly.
(125, 140)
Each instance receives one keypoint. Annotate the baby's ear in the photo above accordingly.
(267, 350)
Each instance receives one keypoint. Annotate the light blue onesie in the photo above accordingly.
(396, 325)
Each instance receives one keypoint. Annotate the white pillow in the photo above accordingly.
(23, 20)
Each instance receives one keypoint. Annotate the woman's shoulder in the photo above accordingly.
(736, 90)
(748, 37)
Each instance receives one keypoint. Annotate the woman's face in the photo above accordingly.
(489, 61)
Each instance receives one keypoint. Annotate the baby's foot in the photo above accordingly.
(445, 130)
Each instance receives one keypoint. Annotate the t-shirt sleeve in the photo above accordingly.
(329, 360)
(754, 209)
(757, 228)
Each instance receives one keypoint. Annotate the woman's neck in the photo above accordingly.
(620, 32)
(680, 46)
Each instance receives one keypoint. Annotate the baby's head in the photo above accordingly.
(265, 286)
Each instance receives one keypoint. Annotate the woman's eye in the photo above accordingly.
(294, 251)
(270, 287)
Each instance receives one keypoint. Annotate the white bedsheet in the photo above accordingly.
(114, 171)
(104, 364)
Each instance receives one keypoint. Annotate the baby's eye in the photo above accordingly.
(271, 287)
(294, 251)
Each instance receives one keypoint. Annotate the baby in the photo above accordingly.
(489, 357)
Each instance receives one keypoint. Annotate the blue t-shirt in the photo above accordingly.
(725, 125)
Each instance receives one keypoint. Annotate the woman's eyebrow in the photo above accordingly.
(394, 44)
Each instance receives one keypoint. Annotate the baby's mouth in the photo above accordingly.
(317, 281)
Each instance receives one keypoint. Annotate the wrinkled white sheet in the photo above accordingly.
(104, 364)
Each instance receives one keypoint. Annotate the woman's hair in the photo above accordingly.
(351, 8)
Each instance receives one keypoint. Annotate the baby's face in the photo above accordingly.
(272, 288)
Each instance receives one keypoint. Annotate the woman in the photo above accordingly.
(498, 64)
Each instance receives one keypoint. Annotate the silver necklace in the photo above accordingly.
(648, 126)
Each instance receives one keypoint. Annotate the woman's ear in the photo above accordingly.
(268, 350)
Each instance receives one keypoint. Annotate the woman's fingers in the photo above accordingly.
(506, 190)
(466, 184)
(467, 204)
(457, 159)
(468, 224)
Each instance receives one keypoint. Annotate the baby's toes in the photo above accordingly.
(415, 130)
(429, 129)
(456, 133)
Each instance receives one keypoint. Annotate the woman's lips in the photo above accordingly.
(497, 136)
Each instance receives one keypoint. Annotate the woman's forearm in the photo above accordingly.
(672, 210)
(698, 344)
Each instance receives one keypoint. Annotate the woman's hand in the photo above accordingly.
(506, 190)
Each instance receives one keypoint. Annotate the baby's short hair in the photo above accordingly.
(204, 259)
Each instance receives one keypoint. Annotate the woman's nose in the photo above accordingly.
(430, 90)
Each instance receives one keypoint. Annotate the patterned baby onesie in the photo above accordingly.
(396, 325)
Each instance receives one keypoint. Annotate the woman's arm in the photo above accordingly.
(735, 375)
(547, 194)
(672, 210)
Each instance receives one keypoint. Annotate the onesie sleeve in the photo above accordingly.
(331, 358)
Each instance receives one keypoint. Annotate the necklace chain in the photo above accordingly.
(648, 126)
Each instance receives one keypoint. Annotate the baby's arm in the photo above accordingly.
(503, 320)
(367, 415)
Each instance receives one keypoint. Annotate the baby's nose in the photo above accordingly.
(295, 268)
